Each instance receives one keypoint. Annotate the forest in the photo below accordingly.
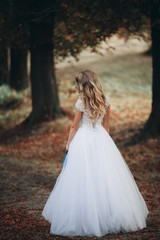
(43, 45)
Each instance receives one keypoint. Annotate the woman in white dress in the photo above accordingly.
(95, 193)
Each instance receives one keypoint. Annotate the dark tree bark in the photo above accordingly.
(4, 75)
(152, 126)
(18, 73)
(45, 100)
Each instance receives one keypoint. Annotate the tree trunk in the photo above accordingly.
(4, 76)
(18, 73)
(45, 102)
(152, 126)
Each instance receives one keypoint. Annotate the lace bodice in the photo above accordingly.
(85, 120)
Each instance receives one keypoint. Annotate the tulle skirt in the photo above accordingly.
(95, 193)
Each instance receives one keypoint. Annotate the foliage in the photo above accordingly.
(78, 24)
(13, 31)
(87, 23)
(9, 97)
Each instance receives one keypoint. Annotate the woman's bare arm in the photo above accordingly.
(106, 119)
(74, 127)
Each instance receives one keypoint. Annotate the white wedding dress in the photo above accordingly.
(95, 193)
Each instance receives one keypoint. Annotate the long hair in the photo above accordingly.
(91, 93)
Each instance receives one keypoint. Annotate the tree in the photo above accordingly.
(31, 25)
(14, 37)
(18, 73)
(44, 89)
(4, 74)
(4, 71)
(152, 125)
(45, 101)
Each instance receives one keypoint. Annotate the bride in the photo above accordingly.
(95, 193)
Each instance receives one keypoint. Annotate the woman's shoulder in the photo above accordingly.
(79, 104)
(107, 100)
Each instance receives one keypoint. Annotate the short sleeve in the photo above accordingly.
(79, 105)
(107, 100)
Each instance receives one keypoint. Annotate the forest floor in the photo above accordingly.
(31, 160)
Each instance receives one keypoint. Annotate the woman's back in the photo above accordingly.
(85, 120)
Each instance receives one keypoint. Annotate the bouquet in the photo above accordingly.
(66, 151)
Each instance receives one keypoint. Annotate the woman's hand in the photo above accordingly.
(67, 146)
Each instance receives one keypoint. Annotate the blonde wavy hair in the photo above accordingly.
(91, 93)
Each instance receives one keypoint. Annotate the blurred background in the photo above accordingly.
(43, 45)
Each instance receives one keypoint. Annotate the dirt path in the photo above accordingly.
(30, 162)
